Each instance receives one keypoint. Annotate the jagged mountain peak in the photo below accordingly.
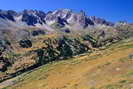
(64, 17)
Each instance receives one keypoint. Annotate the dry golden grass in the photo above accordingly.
(37, 43)
(89, 71)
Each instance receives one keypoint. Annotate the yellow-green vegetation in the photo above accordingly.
(103, 69)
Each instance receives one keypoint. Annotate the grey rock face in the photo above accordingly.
(9, 15)
(64, 17)
(32, 17)
(101, 21)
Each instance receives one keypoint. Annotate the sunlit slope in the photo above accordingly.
(111, 68)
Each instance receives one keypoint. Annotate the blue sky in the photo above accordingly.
(112, 10)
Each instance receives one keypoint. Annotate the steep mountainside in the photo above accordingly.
(31, 38)
(111, 68)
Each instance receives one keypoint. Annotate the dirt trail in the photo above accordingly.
(6, 83)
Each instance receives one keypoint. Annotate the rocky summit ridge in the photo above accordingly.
(62, 17)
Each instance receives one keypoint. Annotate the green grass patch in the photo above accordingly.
(129, 74)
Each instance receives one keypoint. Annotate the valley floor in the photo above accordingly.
(111, 68)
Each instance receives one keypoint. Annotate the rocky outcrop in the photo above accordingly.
(32, 17)
(8, 15)
(101, 21)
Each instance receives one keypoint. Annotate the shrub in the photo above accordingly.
(38, 32)
(25, 43)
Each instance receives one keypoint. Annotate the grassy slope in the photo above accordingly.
(106, 69)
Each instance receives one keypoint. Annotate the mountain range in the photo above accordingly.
(64, 18)
(32, 38)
